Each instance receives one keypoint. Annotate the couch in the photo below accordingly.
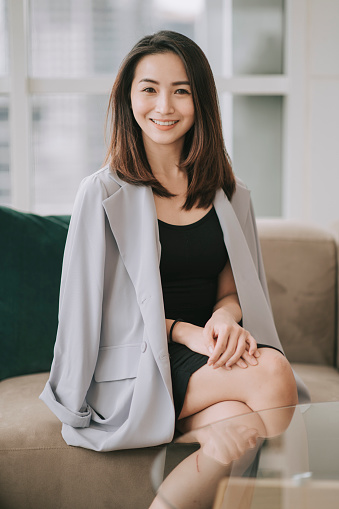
(37, 468)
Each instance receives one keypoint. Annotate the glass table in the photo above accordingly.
(286, 458)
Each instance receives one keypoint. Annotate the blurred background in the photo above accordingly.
(277, 71)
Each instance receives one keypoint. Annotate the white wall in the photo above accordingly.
(312, 160)
(323, 84)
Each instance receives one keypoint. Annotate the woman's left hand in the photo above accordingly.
(229, 343)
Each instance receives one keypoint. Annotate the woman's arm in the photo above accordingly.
(232, 343)
(189, 335)
(80, 308)
(222, 339)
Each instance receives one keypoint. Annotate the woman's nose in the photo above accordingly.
(164, 104)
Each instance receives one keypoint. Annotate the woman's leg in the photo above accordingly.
(218, 412)
(214, 394)
(193, 483)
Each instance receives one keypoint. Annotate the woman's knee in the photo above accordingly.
(276, 376)
(274, 361)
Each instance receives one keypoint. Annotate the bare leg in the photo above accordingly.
(214, 395)
(193, 483)
(218, 412)
(270, 384)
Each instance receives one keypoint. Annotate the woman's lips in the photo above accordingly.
(164, 122)
(164, 125)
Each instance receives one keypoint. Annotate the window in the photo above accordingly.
(4, 107)
(258, 37)
(84, 42)
(3, 38)
(64, 57)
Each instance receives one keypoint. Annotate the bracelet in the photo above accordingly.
(170, 339)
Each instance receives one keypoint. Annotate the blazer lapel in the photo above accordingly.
(132, 217)
(257, 316)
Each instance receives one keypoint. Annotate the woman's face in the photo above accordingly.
(161, 100)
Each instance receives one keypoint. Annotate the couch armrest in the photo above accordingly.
(301, 268)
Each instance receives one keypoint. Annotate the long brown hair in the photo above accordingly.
(204, 156)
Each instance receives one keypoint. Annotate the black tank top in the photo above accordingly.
(192, 256)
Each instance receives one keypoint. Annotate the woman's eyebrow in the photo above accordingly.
(174, 84)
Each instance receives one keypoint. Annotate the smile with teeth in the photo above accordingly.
(167, 122)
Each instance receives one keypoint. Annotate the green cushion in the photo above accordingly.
(31, 252)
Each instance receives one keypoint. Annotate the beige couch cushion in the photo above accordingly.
(322, 381)
(300, 263)
(38, 469)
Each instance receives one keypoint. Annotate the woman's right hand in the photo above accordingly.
(195, 339)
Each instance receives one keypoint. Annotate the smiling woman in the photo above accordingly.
(164, 313)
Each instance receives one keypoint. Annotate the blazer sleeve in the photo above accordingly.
(80, 308)
(252, 226)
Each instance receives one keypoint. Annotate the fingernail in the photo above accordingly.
(210, 349)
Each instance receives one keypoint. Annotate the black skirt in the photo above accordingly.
(185, 362)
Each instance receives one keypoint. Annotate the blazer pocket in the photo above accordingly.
(117, 362)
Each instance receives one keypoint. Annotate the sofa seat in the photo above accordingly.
(39, 470)
(322, 381)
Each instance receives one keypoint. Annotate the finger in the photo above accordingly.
(252, 344)
(250, 359)
(208, 335)
(227, 352)
(241, 363)
(240, 349)
(236, 345)
(235, 359)
(220, 345)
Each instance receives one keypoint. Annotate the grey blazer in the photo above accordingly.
(110, 381)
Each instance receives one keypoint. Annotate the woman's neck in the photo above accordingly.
(164, 160)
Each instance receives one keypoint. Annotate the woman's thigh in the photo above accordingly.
(268, 384)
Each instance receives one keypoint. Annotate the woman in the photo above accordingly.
(163, 292)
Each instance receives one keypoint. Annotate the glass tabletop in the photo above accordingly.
(285, 458)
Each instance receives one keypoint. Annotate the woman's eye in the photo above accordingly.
(182, 91)
(149, 90)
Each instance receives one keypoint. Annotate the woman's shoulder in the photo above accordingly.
(240, 185)
(102, 183)
(241, 201)
(241, 195)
